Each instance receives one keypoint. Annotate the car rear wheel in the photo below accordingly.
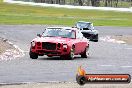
(85, 53)
(33, 55)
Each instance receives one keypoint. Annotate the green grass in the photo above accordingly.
(1, 1)
(21, 14)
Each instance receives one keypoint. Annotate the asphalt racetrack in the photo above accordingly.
(105, 57)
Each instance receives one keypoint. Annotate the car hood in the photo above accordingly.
(53, 39)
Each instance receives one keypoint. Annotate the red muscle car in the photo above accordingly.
(59, 41)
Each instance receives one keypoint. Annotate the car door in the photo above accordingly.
(82, 43)
(76, 42)
(79, 46)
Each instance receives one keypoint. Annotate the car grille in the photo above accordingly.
(85, 29)
(87, 35)
(49, 46)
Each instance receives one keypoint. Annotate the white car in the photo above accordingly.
(88, 30)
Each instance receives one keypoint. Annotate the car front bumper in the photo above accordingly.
(51, 52)
(90, 36)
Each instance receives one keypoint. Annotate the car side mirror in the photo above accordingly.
(39, 35)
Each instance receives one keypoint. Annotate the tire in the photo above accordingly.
(49, 55)
(71, 54)
(81, 80)
(33, 55)
(96, 38)
(85, 53)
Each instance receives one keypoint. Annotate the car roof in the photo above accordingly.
(83, 22)
(69, 28)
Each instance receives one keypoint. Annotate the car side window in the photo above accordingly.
(73, 35)
(91, 26)
(79, 35)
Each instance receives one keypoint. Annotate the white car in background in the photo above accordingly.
(88, 30)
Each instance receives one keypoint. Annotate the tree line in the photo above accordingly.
(96, 3)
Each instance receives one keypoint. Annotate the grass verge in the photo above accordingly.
(22, 14)
(1, 1)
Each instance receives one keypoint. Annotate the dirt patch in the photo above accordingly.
(9, 51)
(125, 38)
(4, 45)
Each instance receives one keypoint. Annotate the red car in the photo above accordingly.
(59, 41)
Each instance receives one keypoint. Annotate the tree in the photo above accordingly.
(95, 3)
(131, 2)
(63, 2)
(92, 2)
(80, 2)
(51, 1)
(108, 3)
(57, 1)
(88, 2)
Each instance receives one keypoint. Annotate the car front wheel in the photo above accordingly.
(96, 39)
(71, 54)
(81, 80)
(85, 53)
(33, 55)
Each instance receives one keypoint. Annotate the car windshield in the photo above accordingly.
(54, 32)
(83, 25)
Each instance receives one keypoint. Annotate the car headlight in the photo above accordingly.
(64, 45)
(33, 43)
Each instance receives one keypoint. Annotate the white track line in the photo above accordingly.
(129, 48)
(106, 65)
(126, 66)
(18, 83)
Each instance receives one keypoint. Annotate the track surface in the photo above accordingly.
(104, 57)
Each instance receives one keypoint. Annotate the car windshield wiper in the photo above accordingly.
(49, 36)
(64, 37)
